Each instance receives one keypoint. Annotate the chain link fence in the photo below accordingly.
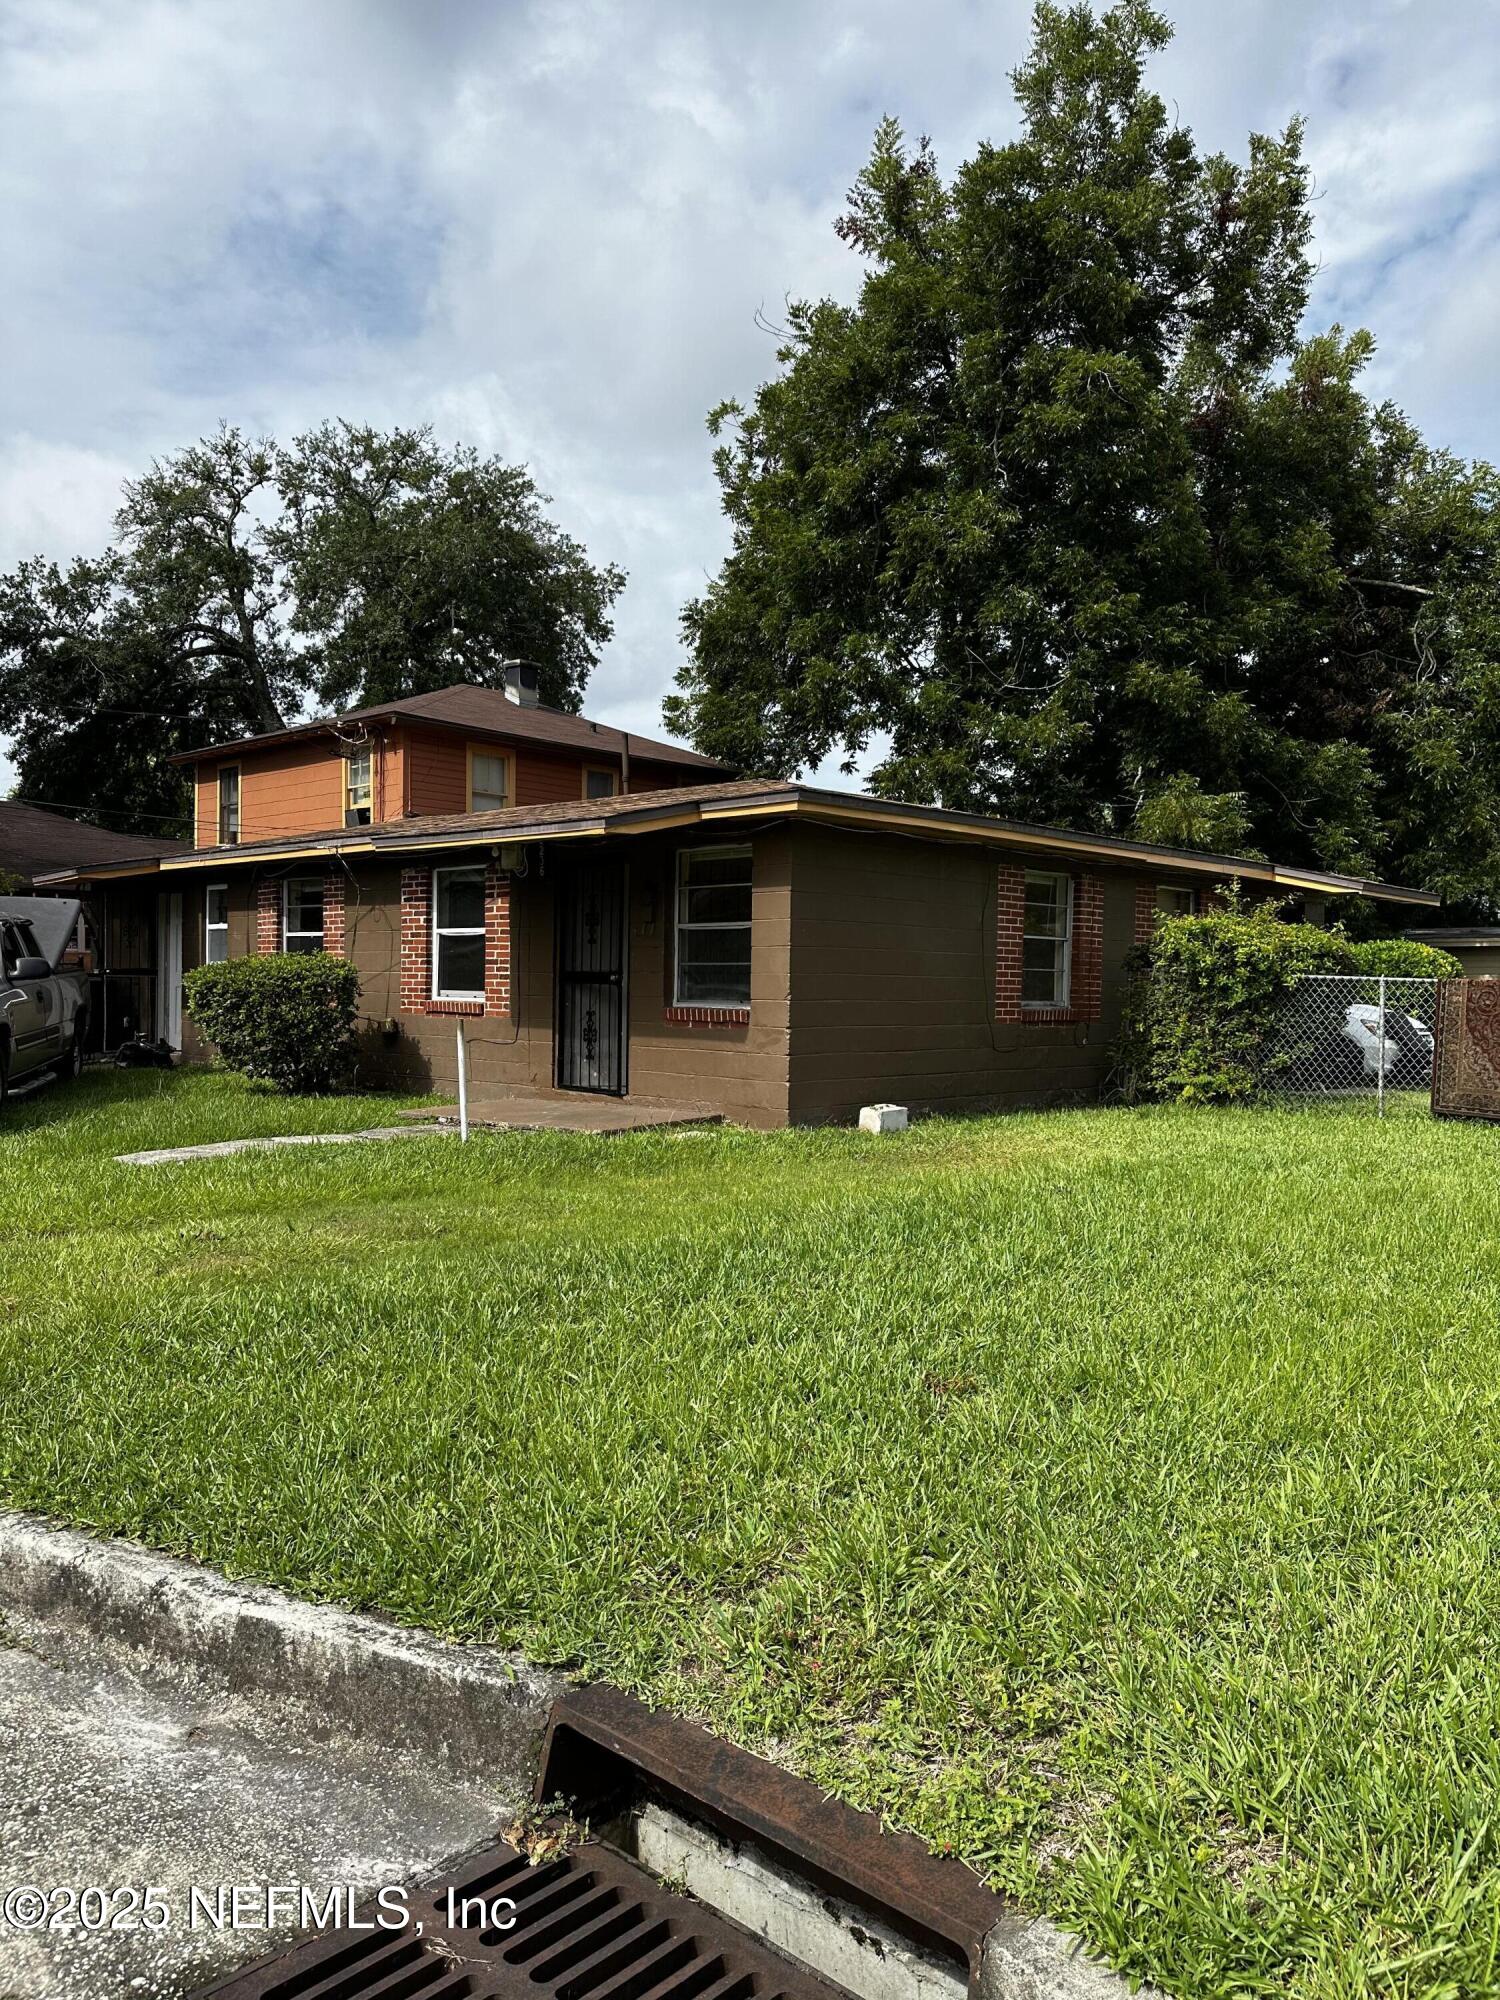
(1356, 1038)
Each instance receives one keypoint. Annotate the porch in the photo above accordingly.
(502, 1109)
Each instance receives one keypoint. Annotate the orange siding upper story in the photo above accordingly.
(299, 787)
(437, 772)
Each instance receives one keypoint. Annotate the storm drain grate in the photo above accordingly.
(592, 1924)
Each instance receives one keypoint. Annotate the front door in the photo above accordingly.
(591, 978)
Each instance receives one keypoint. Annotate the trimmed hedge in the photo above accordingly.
(1201, 999)
(286, 1020)
(1405, 958)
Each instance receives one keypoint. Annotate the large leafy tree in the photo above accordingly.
(411, 568)
(1067, 517)
(246, 581)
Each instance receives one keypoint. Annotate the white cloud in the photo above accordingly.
(547, 227)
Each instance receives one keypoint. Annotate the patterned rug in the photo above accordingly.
(1466, 1062)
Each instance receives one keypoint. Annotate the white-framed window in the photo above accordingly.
(359, 786)
(711, 959)
(1172, 901)
(216, 923)
(458, 933)
(599, 782)
(229, 805)
(489, 780)
(1047, 940)
(302, 913)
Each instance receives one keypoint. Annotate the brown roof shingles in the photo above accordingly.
(504, 820)
(36, 842)
(482, 711)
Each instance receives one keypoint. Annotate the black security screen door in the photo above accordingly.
(591, 978)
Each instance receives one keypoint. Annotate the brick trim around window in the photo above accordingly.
(1145, 911)
(416, 946)
(1086, 996)
(335, 913)
(268, 915)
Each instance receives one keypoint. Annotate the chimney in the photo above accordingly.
(520, 683)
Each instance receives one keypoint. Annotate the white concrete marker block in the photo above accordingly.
(883, 1118)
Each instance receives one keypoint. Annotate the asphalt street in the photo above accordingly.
(109, 1784)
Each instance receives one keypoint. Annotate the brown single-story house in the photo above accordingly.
(778, 953)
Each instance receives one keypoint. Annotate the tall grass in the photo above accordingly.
(1109, 1496)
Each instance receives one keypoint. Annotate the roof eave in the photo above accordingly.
(835, 808)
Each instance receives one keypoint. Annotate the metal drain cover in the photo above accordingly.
(590, 1925)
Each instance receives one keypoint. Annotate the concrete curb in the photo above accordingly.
(1034, 1960)
(474, 1710)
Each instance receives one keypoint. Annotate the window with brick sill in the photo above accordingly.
(1047, 945)
(458, 935)
(1049, 932)
(711, 938)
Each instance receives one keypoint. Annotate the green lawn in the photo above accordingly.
(1111, 1496)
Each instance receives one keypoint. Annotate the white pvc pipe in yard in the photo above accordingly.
(463, 1082)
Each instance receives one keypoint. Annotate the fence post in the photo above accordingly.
(1380, 1061)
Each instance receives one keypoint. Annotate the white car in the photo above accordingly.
(1407, 1054)
(43, 1005)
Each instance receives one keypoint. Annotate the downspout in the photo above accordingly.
(624, 760)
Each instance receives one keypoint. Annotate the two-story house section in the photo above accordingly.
(457, 750)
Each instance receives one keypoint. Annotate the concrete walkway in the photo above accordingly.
(223, 1149)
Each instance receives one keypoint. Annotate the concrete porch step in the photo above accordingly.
(562, 1111)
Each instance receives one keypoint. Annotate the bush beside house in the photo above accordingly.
(286, 1020)
(1202, 998)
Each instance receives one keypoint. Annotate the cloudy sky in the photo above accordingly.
(549, 229)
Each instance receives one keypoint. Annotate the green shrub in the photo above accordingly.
(1405, 958)
(1201, 1002)
(1202, 999)
(286, 1020)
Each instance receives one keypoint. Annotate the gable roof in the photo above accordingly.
(479, 711)
(743, 803)
(36, 842)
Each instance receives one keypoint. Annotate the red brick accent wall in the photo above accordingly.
(496, 941)
(1010, 907)
(416, 946)
(335, 934)
(1086, 995)
(1145, 911)
(416, 939)
(268, 915)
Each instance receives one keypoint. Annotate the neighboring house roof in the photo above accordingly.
(36, 842)
(746, 802)
(1468, 934)
(479, 711)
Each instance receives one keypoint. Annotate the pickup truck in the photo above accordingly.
(43, 1004)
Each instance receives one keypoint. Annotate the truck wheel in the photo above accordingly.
(4, 1073)
(71, 1065)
